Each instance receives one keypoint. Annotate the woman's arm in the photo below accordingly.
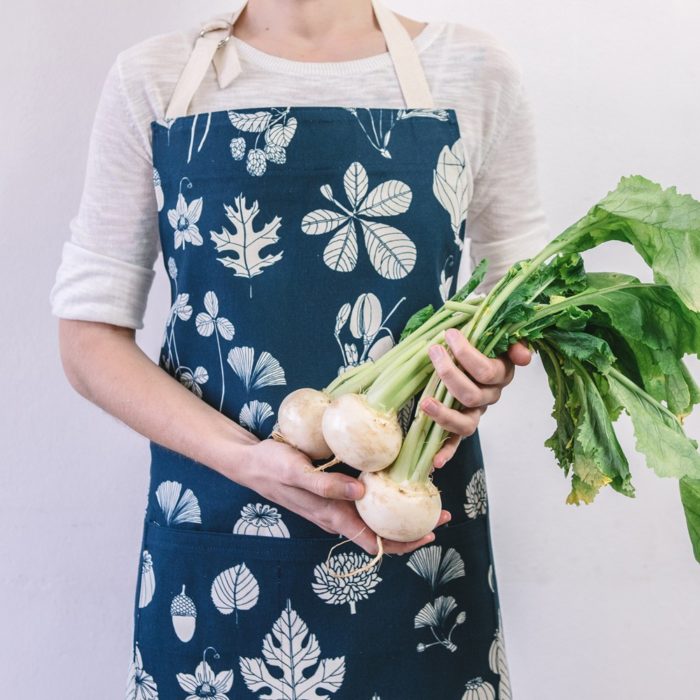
(105, 365)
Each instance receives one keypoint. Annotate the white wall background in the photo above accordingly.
(599, 602)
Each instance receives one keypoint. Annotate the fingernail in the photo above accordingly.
(435, 352)
(352, 491)
(429, 406)
(452, 335)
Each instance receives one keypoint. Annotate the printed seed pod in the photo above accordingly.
(478, 689)
(184, 615)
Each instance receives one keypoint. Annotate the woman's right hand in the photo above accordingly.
(287, 477)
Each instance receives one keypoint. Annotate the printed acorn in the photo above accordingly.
(184, 614)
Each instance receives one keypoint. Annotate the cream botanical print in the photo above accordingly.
(183, 613)
(450, 186)
(181, 310)
(437, 615)
(479, 689)
(367, 325)
(391, 252)
(291, 666)
(158, 189)
(140, 685)
(205, 683)
(377, 124)
(262, 520)
(476, 503)
(148, 580)
(277, 130)
(349, 589)
(246, 242)
(184, 219)
(445, 280)
(255, 374)
(235, 589)
(178, 506)
(499, 664)
(202, 139)
(209, 323)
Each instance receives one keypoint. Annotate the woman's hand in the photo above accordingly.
(475, 380)
(286, 476)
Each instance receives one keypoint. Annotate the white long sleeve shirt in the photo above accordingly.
(107, 265)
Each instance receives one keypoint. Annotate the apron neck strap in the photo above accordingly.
(214, 46)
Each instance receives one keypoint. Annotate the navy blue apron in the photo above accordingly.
(298, 241)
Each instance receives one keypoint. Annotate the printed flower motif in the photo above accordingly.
(184, 220)
(391, 252)
(260, 519)
(204, 684)
(476, 495)
(141, 685)
(351, 589)
(158, 188)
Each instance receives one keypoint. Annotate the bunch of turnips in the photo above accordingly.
(608, 342)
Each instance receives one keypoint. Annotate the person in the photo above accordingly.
(312, 172)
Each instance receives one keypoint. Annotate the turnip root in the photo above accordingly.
(299, 417)
(360, 435)
(402, 512)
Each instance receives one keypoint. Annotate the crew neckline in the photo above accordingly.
(250, 54)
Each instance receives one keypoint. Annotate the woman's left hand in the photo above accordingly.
(475, 380)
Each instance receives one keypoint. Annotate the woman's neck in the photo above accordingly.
(315, 30)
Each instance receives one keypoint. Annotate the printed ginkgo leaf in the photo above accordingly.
(250, 121)
(267, 371)
(290, 652)
(435, 614)
(390, 198)
(178, 507)
(246, 242)
(450, 185)
(340, 254)
(235, 589)
(366, 318)
(392, 252)
(281, 134)
(254, 413)
(351, 589)
(430, 564)
(355, 182)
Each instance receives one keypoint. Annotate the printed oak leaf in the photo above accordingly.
(246, 242)
(292, 650)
